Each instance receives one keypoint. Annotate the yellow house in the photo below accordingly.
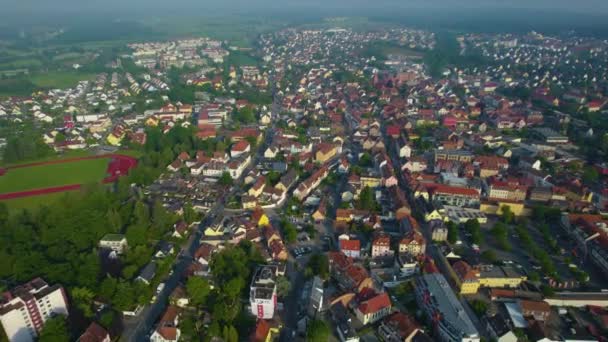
(216, 230)
(152, 121)
(114, 140)
(325, 153)
(433, 215)
(260, 217)
(370, 181)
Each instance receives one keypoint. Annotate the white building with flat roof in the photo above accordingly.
(263, 292)
(24, 309)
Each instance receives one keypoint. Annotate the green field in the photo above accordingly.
(43, 176)
(60, 79)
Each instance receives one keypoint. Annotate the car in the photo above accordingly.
(160, 288)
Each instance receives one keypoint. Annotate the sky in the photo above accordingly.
(584, 6)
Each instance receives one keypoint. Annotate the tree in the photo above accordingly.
(452, 232)
(289, 231)
(283, 286)
(501, 234)
(488, 256)
(54, 330)
(474, 228)
(479, 307)
(198, 290)
(507, 215)
(190, 215)
(83, 298)
(590, 174)
(366, 199)
(319, 265)
(226, 179)
(317, 331)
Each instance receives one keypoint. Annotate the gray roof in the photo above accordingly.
(148, 272)
(453, 315)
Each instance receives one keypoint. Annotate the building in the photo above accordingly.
(374, 309)
(95, 333)
(549, 136)
(315, 302)
(115, 242)
(413, 244)
(25, 308)
(454, 195)
(398, 327)
(351, 248)
(470, 279)
(381, 246)
(538, 310)
(455, 155)
(441, 306)
(263, 292)
(167, 329)
(503, 191)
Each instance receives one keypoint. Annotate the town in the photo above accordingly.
(325, 184)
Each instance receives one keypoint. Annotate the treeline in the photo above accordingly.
(26, 146)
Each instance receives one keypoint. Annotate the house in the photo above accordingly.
(343, 323)
(240, 148)
(179, 297)
(114, 242)
(180, 229)
(381, 246)
(348, 275)
(271, 152)
(398, 327)
(413, 243)
(164, 249)
(325, 152)
(167, 328)
(538, 310)
(351, 248)
(264, 331)
(260, 218)
(147, 273)
(499, 329)
(95, 333)
(373, 309)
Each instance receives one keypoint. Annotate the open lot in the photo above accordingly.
(60, 79)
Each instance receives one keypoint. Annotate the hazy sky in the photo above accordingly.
(589, 6)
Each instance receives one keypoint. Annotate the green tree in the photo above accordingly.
(54, 330)
(488, 256)
(366, 199)
(198, 290)
(226, 179)
(590, 174)
(83, 299)
(317, 331)
(319, 266)
(283, 286)
(452, 232)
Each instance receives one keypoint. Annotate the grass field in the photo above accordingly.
(60, 79)
(77, 172)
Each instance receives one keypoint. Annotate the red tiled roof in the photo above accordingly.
(350, 245)
(240, 146)
(375, 304)
(94, 333)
